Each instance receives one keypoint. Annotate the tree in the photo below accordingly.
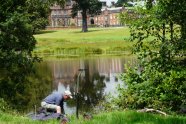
(38, 12)
(91, 7)
(16, 45)
(158, 81)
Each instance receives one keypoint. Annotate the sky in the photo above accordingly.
(109, 1)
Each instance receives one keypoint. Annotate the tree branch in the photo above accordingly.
(152, 110)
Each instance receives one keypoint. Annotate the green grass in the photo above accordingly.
(122, 117)
(75, 42)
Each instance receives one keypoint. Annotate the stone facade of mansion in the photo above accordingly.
(61, 17)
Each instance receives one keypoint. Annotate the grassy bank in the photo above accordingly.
(124, 117)
(74, 42)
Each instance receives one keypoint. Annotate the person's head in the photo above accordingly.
(67, 95)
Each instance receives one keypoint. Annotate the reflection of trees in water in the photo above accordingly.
(25, 95)
(40, 86)
(91, 89)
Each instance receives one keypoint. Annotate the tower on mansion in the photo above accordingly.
(61, 17)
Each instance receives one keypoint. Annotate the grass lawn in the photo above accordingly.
(122, 117)
(75, 42)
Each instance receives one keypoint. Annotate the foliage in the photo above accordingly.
(4, 106)
(16, 44)
(158, 81)
(38, 12)
(120, 3)
(36, 87)
(153, 89)
(91, 7)
(18, 21)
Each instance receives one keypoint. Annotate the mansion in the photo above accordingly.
(61, 17)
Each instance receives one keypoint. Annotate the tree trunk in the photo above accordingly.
(152, 110)
(183, 31)
(182, 44)
(163, 37)
(84, 21)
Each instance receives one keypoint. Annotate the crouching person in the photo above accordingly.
(55, 101)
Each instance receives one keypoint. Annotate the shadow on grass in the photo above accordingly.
(86, 32)
(44, 32)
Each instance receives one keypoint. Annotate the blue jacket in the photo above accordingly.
(55, 98)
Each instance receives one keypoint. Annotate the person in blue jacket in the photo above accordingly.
(55, 101)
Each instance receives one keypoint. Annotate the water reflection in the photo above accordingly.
(99, 79)
(25, 95)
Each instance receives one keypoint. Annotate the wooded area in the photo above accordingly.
(159, 80)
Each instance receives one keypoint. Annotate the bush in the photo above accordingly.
(93, 50)
(4, 106)
(154, 89)
(159, 80)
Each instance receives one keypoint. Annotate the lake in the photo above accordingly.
(99, 78)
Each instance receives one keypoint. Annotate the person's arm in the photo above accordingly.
(59, 102)
(62, 107)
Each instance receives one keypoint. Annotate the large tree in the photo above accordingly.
(91, 7)
(159, 80)
(16, 45)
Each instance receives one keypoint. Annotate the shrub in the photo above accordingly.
(4, 106)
